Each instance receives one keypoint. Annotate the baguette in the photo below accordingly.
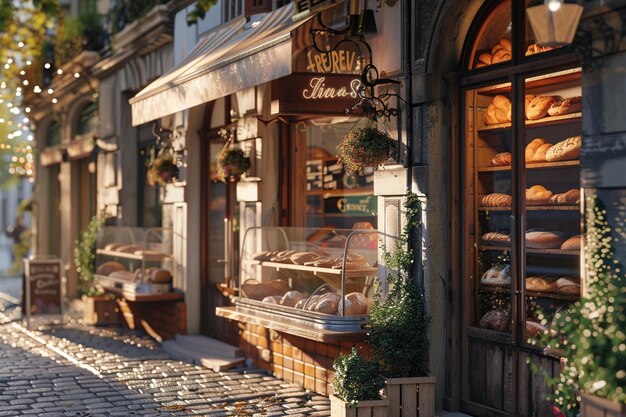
(496, 238)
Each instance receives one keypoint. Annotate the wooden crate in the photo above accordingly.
(100, 310)
(340, 408)
(410, 397)
(592, 406)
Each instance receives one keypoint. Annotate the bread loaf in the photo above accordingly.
(291, 298)
(301, 257)
(544, 240)
(534, 329)
(539, 107)
(498, 111)
(568, 286)
(356, 304)
(108, 267)
(264, 255)
(122, 275)
(300, 304)
(496, 238)
(283, 256)
(327, 306)
(541, 284)
(279, 285)
(497, 320)
(496, 200)
(573, 243)
(566, 106)
(271, 299)
(256, 290)
(128, 248)
(537, 195)
(311, 303)
(485, 58)
(501, 55)
(499, 275)
(501, 159)
(161, 276)
(536, 151)
(568, 149)
(570, 197)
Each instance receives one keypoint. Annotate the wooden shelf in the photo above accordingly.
(533, 208)
(546, 121)
(552, 79)
(169, 296)
(528, 293)
(531, 250)
(542, 165)
(343, 192)
(126, 255)
(315, 270)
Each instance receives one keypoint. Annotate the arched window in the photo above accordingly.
(521, 110)
(53, 134)
(87, 119)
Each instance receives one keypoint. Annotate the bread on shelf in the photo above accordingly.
(538, 195)
(500, 52)
(113, 246)
(536, 151)
(255, 290)
(566, 106)
(499, 276)
(544, 240)
(573, 243)
(108, 267)
(571, 197)
(356, 304)
(291, 298)
(566, 150)
(501, 159)
(539, 106)
(533, 328)
(568, 286)
(496, 238)
(541, 284)
(496, 200)
(300, 258)
(497, 320)
(498, 111)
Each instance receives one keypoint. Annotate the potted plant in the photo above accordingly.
(398, 336)
(364, 147)
(232, 162)
(162, 170)
(357, 385)
(98, 308)
(590, 336)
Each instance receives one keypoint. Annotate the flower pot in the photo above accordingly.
(410, 397)
(100, 310)
(340, 408)
(592, 406)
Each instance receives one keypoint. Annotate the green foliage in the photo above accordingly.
(85, 256)
(231, 163)
(127, 11)
(24, 206)
(162, 171)
(20, 249)
(198, 13)
(363, 147)
(356, 379)
(78, 33)
(398, 338)
(591, 334)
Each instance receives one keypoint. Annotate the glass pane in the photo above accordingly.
(488, 182)
(552, 216)
(531, 40)
(217, 201)
(493, 43)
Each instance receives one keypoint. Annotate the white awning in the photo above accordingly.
(227, 60)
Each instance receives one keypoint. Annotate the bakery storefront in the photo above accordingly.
(288, 250)
(521, 214)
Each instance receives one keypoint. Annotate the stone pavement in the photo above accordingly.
(77, 370)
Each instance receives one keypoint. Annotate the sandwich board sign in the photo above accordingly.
(42, 288)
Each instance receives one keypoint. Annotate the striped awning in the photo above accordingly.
(233, 57)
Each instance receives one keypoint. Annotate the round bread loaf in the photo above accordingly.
(327, 306)
(497, 320)
(496, 238)
(566, 106)
(501, 159)
(356, 304)
(498, 276)
(496, 200)
(108, 267)
(536, 151)
(291, 298)
(300, 304)
(256, 290)
(566, 150)
(534, 329)
(301, 258)
(568, 286)
(311, 302)
(573, 243)
(161, 276)
(271, 299)
(539, 107)
(544, 240)
(541, 284)
(538, 195)
(280, 285)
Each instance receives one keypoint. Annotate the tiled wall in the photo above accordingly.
(302, 361)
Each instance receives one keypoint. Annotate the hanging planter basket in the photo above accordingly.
(232, 163)
(162, 171)
(365, 147)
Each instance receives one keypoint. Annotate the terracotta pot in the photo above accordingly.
(340, 408)
(592, 406)
(410, 397)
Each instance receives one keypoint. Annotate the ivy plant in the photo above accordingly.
(85, 256)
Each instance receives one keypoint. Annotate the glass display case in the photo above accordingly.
(309, 277)
(134, 260)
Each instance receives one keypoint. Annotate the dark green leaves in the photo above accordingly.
(356, 379)
(202, 7)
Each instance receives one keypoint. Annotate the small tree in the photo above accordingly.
(85, 256)
(356, 378)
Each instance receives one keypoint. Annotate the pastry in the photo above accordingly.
(565, 150)
(108, 267)
(544, 240)
(568, 286)
(496, 238)
(573, 243)
(496, 200)
(327, 306)
(356, 304)
(536, 150)
(497, 320)
(538, 195)
(485, 58)
(528, 98)
(570, 197)
(301, 258)
(481, 64)
(498, 111)
(500, 55)
(541, 284)
(539, 107)
(161, 276)
(534, 329)
(499, 275)
(291, 298)
(501, 159)
(566, 106)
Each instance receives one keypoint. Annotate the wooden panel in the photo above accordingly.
(493, 375)
(426, 400)
(409, 400)
(394, 397)
(477, 371)
(508, 381)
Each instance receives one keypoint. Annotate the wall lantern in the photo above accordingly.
(555, 22)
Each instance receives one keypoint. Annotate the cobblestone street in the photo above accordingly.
(77, 370)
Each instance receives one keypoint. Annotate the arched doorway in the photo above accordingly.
(520, 205)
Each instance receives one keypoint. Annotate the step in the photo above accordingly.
(209, 346)
(185, 353)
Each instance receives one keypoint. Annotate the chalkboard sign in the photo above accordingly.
(42, 285)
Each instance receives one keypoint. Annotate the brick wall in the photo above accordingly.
(295, 359)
